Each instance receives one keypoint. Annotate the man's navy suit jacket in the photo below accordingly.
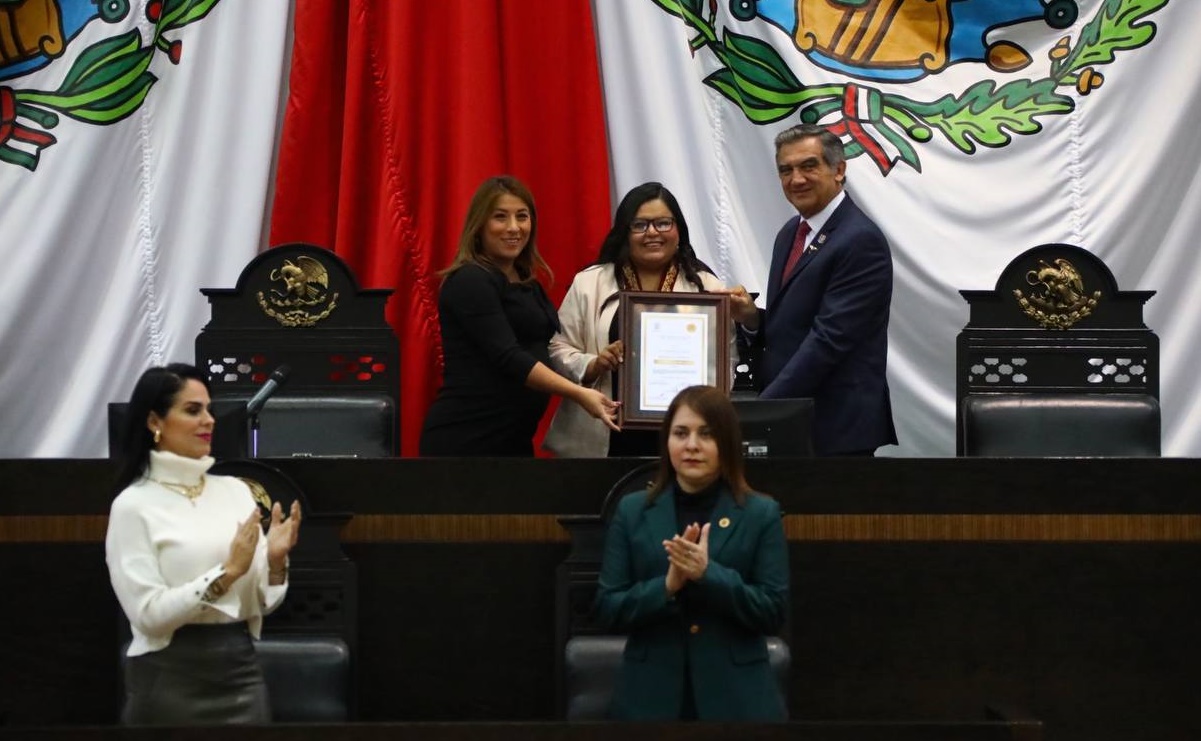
(824, 333)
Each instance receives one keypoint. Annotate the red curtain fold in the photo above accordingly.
(398, 110)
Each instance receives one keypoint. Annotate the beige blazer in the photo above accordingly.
(585, 317)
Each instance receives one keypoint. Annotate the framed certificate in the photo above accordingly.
(672, 341)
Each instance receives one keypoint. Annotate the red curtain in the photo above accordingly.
(398, 110)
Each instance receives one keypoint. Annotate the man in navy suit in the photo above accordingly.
(824, 333)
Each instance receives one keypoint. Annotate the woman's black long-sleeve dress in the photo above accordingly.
(493, 333)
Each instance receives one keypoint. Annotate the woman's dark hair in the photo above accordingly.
(713, 406)
(154, 392)
(615, 250)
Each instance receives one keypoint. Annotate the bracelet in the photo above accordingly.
(215, 590)
(282, 574)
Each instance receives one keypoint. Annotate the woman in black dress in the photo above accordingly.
(496, 322)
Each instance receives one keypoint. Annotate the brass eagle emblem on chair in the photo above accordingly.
(1059, 299)
(304, 299)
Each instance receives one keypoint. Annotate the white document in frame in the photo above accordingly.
(675, 347)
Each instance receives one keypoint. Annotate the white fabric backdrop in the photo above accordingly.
(1117, 176)
(106, 242)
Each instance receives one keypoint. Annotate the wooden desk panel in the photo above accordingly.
(503, 528)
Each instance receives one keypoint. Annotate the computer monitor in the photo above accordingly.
(775, 427)
(230, 436)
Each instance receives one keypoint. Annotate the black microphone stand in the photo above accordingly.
(257, 402)
(253, 420)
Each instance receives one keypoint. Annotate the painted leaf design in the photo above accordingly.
(1114, 28)
(685, 9)
(95, 57)
(755, 109)
(758, 62)
(986, 116)
(109, 79)
(178, 13)
(116, 106)
(105, 79)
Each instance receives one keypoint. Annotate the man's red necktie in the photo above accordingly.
(798, 249)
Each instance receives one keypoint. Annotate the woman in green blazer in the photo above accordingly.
(695, 569)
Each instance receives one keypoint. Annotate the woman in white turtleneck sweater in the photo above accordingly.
(189, 564)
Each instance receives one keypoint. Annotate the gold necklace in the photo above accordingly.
(191, 491)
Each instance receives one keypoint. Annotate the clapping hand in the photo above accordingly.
(687, 556)
(241, 548)
(282, 535)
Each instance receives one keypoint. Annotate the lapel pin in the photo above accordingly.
(723, 522)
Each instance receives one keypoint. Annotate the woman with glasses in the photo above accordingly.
(646, 250)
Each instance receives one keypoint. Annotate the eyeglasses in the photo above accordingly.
(639, 226)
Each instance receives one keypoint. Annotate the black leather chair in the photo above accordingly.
(1044, 424)
(308, 677)
(347, 425)
(593, 661)
(589, 660)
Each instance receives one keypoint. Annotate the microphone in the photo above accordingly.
(274, 381)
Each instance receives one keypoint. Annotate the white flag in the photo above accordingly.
(136, 142)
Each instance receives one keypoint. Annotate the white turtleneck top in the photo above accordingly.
(163, 550)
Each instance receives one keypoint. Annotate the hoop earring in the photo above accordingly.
(158, 436)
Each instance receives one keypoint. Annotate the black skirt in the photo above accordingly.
(209, 674)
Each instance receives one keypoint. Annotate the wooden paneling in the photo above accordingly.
(510, 528)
